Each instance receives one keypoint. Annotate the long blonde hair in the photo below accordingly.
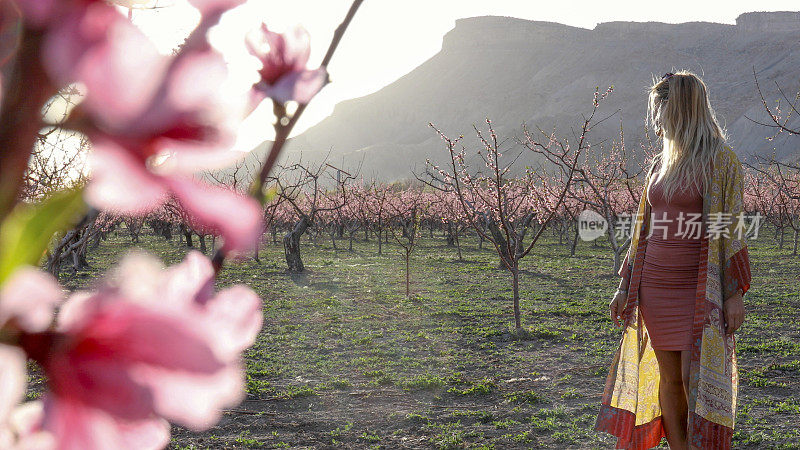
(680, 112)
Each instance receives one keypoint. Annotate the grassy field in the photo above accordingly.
(345, 360)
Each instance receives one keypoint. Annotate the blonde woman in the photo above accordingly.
(683, 279)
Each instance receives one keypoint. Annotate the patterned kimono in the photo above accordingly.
(630, 407)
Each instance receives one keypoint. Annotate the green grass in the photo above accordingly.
(345, 359)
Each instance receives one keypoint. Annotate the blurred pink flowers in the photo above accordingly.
(153, 120)
(284, 76)
(149, 345)
(27, 302)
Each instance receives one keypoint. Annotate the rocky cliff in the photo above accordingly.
(544, 74)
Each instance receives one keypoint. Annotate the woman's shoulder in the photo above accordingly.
(726, 152)
(726, 158)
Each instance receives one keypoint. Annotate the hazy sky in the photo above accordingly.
(388, 38)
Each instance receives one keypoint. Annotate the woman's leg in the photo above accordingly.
(685, 361)
(672, 396)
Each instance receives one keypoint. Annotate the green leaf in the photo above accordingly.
(26, 232)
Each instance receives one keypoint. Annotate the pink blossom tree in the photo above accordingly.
(303, 187)
(506, 204)
(775, 189)
(608, 183)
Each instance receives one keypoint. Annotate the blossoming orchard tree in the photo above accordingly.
(775, 189)
(607, 182)
(307, 190)
(502, 205)
(148, 345)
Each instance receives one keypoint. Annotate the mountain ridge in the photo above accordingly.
(543, 73)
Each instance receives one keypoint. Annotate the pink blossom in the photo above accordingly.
(41, 13)
(12, 385)
(22, 430)
(284, 76)
(220, 210)
(149, 345)
(27, 301)
(209, 7)
(153, 120)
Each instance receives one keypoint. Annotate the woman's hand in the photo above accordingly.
(617, 305)
(733, 310)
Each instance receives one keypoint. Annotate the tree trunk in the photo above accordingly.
(291, 246)
(458, 246)
(203, 248)
(408, 273)
(450, 238)
(188, 235)
(575, 238)
(515, 285)
(96, 242)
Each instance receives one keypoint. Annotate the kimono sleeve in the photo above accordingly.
(625, 268)
(736, 267)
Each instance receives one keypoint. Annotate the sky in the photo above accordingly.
(389, 38)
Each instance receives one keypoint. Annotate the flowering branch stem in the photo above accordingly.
(284, 124)
(282, 130)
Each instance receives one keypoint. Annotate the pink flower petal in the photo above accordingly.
(172, 291)
(75, 310)
(94, 46)
(124, 333)
(194, 400)
(22, 431)
(194, 80)
(13, 379)
(298, 47)
(189, 281)
(210, 6)
(279, 53)
(29, 297)
(221, 210)
(298, 86)
(103, 383)
(236, 317)
(38, 12)
(125, 355)
(119, 182)
(79, 427)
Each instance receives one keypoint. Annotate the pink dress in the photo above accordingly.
(670, 269)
